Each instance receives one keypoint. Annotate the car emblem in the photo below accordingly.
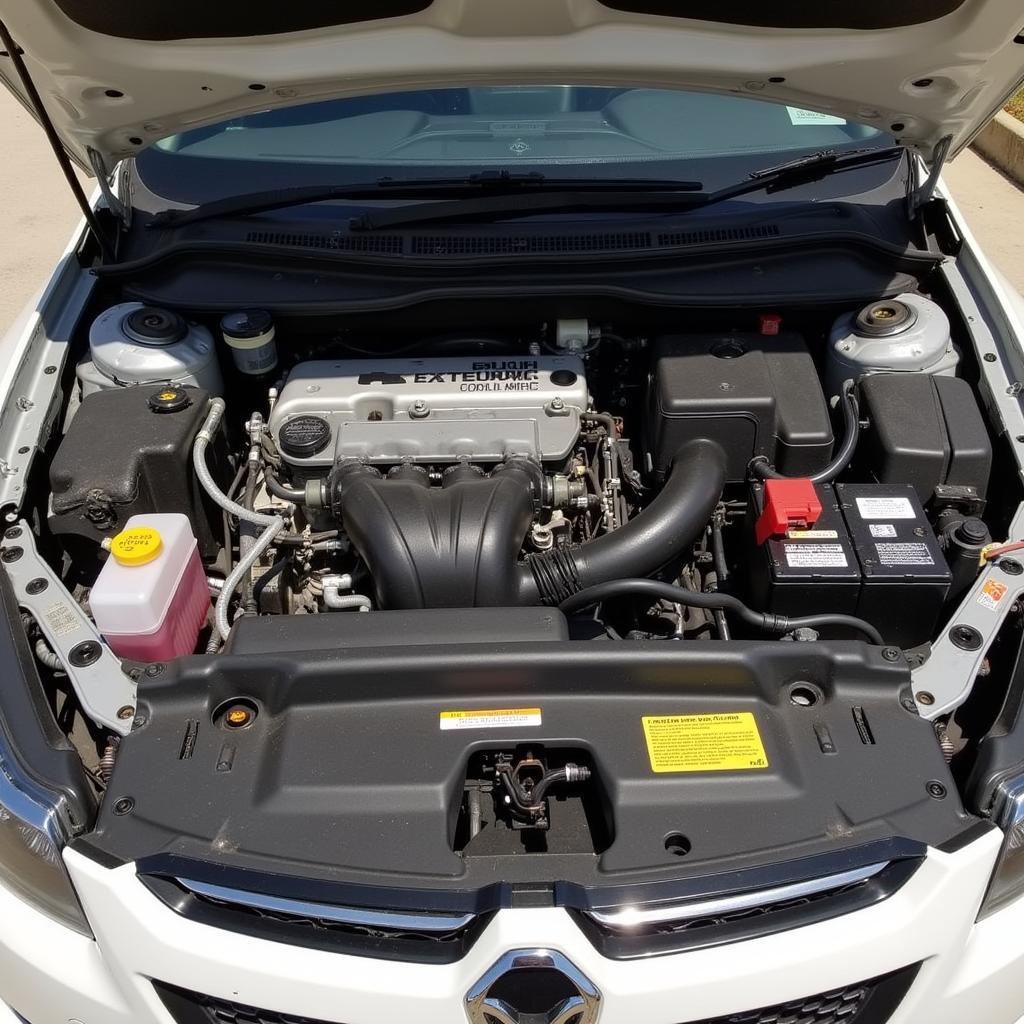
(519, 147)
(533, 986)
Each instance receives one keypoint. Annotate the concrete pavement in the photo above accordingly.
(994, 208)
(39, 213)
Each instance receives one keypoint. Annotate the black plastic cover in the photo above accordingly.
(272, 634)
(924, 430)
(346, 779)
(120, 458)
(753, 395)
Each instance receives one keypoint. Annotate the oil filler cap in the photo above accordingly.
(138, 545)
(304, 437)
(169, 399)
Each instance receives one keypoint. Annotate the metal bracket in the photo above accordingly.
(921, 195)
(106, 693)
(946, 679)
(120, 210)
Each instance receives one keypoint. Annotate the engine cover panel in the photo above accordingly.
(437, 410)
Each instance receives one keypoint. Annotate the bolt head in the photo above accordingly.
(9, 555)
(126, 712)
(125, 805)
(36, 586)
(12, 533)
(155, 669)
(85, 654)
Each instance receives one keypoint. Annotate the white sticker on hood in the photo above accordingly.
(799, 116)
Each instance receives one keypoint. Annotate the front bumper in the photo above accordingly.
(969, 971)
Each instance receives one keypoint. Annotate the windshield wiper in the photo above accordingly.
(675, 197)
(488, 183)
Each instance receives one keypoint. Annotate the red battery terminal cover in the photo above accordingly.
(769, 324)
(788, 505)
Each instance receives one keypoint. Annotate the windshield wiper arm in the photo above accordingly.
(672, 197)
(496, 182)
(823, 160)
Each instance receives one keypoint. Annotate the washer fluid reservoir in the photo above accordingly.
(909, 333)
(133, 344)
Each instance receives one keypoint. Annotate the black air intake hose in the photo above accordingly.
(659, 534)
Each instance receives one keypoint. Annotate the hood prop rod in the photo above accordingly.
(54, 139)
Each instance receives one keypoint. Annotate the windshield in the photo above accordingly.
(566, 130)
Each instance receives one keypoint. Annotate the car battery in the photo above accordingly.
(804, 571)
(905, 578)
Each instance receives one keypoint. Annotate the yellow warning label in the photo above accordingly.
(704, 743)
(497, 719)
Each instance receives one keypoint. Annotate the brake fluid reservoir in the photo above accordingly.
(906, 334)
(151, 598)
(135, 344)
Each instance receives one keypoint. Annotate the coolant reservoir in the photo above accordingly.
(151, 598)
(907, 334)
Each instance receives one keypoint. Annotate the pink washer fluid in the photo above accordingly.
(151, 598)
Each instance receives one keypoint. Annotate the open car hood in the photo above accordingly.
(117, 75)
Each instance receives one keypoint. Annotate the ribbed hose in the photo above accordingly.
(273, 524)
(761, 468)
(244, 567)
(654, 538)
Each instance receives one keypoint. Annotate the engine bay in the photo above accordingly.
(502, 472)
(255, 486)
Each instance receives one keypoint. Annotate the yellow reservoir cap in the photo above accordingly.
(136, 546)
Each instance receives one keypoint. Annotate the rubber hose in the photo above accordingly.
(283, 491)
(275, 570)
(761, 468)
(202, 442)
(759, 620)
(265, 539)
(650, 540)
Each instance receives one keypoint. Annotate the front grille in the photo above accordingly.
(375, 935)
(192, 1008)
(768, 912)
(869, 1002)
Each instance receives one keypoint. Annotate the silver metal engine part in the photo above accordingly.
(389, 411)
(133, 344)
(907, 334)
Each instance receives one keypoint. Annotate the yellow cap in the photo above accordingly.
(137, 546)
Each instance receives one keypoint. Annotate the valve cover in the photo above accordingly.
(481, 409)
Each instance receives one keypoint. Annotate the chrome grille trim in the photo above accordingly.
(626, 919)
(359, 917)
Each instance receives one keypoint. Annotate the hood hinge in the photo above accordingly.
(119, 209)
(924, 192)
